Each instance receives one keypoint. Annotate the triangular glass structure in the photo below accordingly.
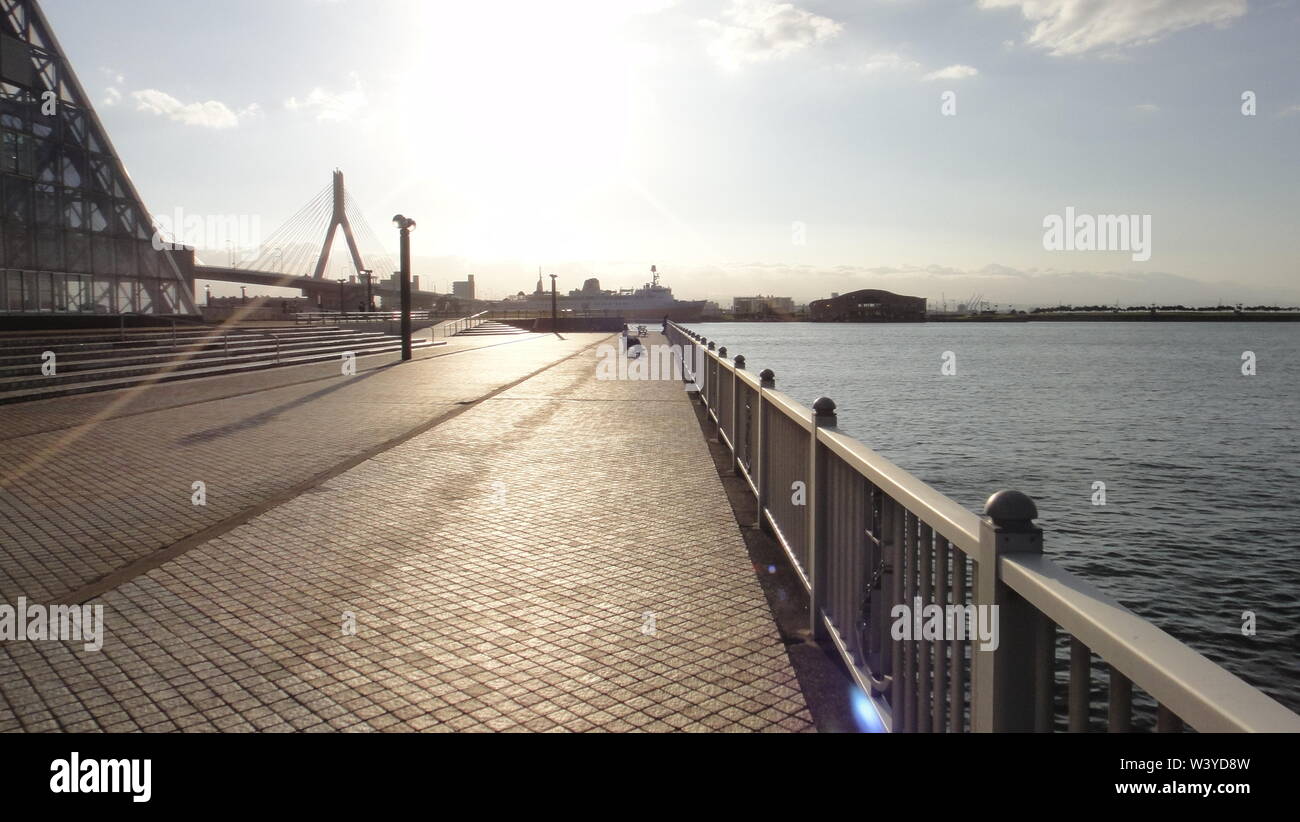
(75, 237)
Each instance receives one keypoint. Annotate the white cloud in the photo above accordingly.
(758, 30)
(112, 96)
(210, 114)
(889, 61)
(1147, 108)
(1070, 27)
(955, 72)
(331, 106)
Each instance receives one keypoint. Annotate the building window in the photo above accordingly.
(17, 155)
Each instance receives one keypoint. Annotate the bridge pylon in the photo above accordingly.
(339, 218)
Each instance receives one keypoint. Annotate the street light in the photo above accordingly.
(370, 300)
(555, 312)
(341, 281)
(207, 293)
(404, 225)
(243, 295)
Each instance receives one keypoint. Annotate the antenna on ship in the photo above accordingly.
(654, 276)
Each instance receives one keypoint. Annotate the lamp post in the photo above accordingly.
(341, 281)
(404, 225)
(555, 312)
(370, 300)
(243, 295)
(207, 294)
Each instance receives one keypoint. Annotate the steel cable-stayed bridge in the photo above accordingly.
(295, 256)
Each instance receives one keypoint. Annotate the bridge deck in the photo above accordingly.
(557, 554)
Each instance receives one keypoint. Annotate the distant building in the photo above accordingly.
(868, 305)
(761, 306)
(463, 289)
(395, 281)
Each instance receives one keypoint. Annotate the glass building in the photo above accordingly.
(75, 237)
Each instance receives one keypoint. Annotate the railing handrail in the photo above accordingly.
(360, 316)
(1201, 692)
(957, 523)
(1182, 680)
(461, 324)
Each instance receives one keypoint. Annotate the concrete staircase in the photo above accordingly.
(490, 328)
(100, 361)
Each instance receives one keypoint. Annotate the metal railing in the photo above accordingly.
(865, 537)
(327, 317)
(453, 328)
(545, 313)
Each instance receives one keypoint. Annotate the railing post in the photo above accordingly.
(707, 387)
(766, 380)
(739, 363)
(1002, 679)
(815, 506)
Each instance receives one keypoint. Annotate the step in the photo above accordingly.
(31, 347)
(490, 328)
(178, 365)
(81, 361)
(46, 391)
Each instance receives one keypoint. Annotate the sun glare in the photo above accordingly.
(521, 117)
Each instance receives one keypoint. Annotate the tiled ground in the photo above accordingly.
(559, 557)
(91, 483)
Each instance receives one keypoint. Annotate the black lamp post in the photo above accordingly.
(341, 282)
(555, 312)
(405, 224)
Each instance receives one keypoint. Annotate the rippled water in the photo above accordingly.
(1201, 464)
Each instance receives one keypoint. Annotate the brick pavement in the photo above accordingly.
(558, 557)
(92, 482)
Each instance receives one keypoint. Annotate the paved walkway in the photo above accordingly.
(559, 556)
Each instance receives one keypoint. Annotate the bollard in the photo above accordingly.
(1003, 679)
(815, 508)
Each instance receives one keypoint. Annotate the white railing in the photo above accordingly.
(866, 536)
(337, 317)
(451, 329)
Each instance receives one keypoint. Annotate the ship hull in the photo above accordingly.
(682, 311)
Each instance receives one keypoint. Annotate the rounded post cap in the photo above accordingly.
(767, 375)
(824, 406)
(740, 360)
(712, 346)
(1009, 506)
(722, 352)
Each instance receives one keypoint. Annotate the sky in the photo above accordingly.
(741, 146)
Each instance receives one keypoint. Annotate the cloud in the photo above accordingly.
(331, 106)
(210, 114)
(112, 94)
(1072, 27)
(954, 72)
(889, 61)
(1147, 108)
(755, 31)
